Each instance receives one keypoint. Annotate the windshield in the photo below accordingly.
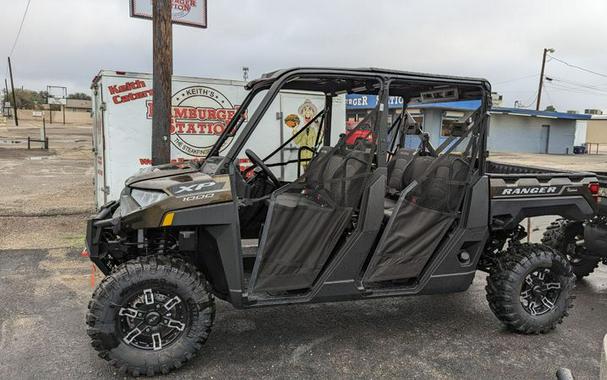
(238, 122)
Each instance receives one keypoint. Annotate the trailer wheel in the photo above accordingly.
(150, 315)
(530, 289)
(563, 235)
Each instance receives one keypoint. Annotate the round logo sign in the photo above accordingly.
(200, 115)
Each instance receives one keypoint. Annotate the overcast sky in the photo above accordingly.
(66, 42)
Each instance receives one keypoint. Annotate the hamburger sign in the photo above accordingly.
(184, 12)
(199, 115)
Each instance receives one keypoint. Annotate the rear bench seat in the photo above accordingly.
(442, 189)
(402, 169)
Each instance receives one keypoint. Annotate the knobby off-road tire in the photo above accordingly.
(562, 235)
(530, 290)
(150, 315)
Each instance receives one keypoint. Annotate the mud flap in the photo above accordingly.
(595, 238)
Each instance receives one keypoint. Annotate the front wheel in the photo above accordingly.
(530, 288)
(150, 315)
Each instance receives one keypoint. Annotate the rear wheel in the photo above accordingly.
(150, 315)
(564, 236)
(530, 288)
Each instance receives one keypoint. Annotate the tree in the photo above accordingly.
(79, 95)
(27, 98)
(550, 108)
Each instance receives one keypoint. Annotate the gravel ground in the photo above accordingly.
(42, 333)
(583, 162)
(45, 286)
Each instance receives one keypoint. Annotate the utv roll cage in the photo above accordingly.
(474, 88)
(388, 139)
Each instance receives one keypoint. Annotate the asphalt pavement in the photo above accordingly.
(42, 335)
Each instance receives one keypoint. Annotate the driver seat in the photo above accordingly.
(341, 172)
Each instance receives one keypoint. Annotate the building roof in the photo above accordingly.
(355, 101)
(462, 105)
(544, 114)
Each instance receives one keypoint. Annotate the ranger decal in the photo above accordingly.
(527, 190)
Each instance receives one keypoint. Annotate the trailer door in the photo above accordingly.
(99, 146)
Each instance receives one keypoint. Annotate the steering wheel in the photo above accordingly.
(259, 163)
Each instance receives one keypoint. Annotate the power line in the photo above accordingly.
(550, 98)
(20, 28)
(579, 84)
(575, 90)
(529, 102)
(579, 67)
(516, 79)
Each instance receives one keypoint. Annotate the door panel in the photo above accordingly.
(99, 146)
(420, 218)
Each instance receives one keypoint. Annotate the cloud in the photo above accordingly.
(67, 42)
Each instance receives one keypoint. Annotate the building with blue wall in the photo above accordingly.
(514, 130)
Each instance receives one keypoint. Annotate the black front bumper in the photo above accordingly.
(94, 228)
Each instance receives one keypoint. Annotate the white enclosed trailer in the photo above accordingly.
(202, 107)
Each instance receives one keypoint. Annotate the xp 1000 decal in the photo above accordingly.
(199, 115)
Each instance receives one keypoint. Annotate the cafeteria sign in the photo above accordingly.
(184, 12)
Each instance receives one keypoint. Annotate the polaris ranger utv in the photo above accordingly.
(583, 242)
(371, 216)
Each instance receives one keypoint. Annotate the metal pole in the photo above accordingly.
(10, 70)
(63, 108)
(162, 74)
(5, 97)
(539, 89)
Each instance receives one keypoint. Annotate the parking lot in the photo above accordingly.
(45, 286)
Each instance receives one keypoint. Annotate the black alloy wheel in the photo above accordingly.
(153, 319)
(540, 292)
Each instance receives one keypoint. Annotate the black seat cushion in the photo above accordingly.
(397, 167)
(442, 190)
(341, 171)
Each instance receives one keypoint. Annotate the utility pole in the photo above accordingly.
(5, 97)
(162, 76)
(10, 70)
(539, 90)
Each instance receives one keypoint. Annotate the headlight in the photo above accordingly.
(146, 197)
